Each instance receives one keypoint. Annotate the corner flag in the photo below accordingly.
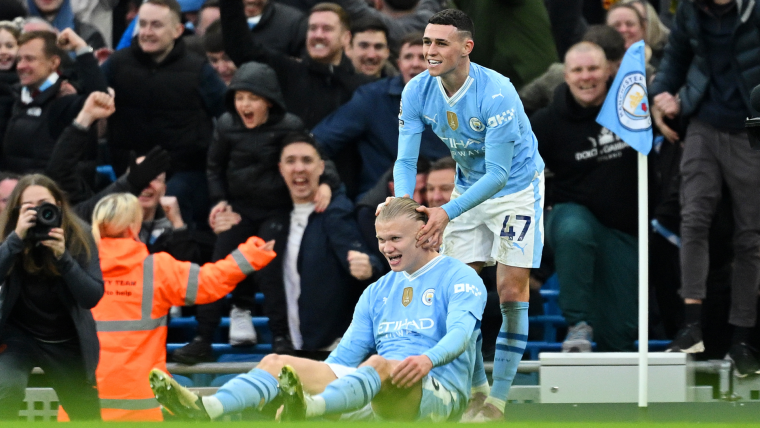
(626, 109)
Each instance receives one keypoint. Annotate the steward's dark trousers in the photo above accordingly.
(64, 370)
(710, 158)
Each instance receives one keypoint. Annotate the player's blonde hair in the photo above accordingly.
(401, 207)
(114, 214)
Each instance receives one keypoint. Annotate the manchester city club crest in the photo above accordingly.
(407, 297)
(477, 125)
(427, 296)
(453, 120)
(632, 103)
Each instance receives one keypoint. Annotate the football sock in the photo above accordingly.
(213, 406)
(252, 389)
(351, 392)
(479, 379)
(510, 346)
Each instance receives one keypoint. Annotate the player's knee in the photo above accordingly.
(272, 363)
(513, 288)
(380, 364)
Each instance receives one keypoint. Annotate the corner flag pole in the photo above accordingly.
(625, 112)
(643, 280)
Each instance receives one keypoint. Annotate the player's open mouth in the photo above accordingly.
(433, 62)
(394, 260)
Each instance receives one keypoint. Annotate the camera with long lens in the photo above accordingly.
(48, 217)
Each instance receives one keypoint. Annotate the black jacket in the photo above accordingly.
(8, 79)
(282, 28)
(80, 287)
(242, 163)
(592, 166)
(685, 68)
(311, 90)
(43, 120)
(170, 104)
(328, 291)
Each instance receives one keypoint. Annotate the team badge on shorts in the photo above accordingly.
(427, 296)
(477, 125)
(632, 103)
(406, 298)
(453, 120)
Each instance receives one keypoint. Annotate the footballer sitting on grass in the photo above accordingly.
(422, 319)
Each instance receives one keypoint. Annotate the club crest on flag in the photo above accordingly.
(625, 110)
(632, 102)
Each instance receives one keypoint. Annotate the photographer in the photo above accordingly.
(51, 278)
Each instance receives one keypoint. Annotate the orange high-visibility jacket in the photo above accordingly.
(132, 315)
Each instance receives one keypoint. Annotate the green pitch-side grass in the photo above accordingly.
(323, 424)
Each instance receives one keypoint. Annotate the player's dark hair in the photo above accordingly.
(369, 24)
(402, 5)
(443, 163)
(608, 38)
(401, 207)
(457, 18)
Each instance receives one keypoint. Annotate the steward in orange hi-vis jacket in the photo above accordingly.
(140, 289)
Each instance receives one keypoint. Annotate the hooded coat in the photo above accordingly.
(242, 163)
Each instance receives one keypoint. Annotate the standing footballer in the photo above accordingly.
(495, 212)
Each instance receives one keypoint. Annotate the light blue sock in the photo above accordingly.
(510, 346)
(479, 371)
(351, 392)
(247, 390)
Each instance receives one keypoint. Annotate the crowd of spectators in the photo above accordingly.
(228, 119)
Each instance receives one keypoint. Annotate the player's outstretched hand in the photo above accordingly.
(411, 371)
(431, 235)
(383, 204)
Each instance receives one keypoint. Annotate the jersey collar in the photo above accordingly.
(459, 94)
(421, 271)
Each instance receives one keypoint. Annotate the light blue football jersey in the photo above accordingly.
(484, 126)
(402, 315)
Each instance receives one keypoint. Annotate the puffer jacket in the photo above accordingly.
(242, 163)
(685, 67)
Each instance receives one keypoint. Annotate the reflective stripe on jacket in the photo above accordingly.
(132, 316)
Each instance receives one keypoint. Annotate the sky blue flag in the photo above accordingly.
(626, 109)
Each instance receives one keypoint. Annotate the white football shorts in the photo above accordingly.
(507, 230)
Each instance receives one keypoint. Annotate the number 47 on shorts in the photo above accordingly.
(509, 231)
